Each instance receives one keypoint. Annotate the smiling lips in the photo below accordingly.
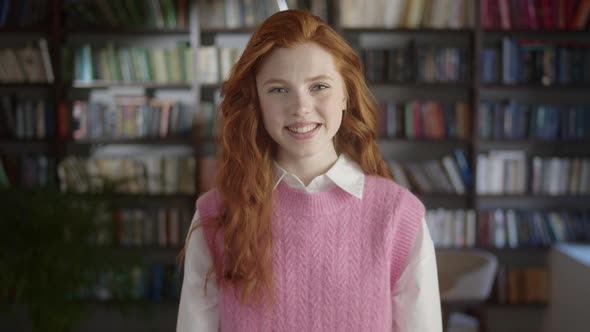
(303, 128)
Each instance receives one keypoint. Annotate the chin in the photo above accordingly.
(304, 153)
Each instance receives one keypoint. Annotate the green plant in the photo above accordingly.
(53, 247)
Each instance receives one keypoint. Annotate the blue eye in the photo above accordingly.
(277, 90)
(319, 87)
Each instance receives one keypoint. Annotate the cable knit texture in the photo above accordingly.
(336, 258)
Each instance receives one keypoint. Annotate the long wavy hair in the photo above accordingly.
(244, 176)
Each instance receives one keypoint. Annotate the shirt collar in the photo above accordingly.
(345, 173)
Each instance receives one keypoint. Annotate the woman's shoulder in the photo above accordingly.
(208, 202)
(209, 194)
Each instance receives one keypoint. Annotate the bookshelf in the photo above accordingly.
(477, 36)
(530, 93)
(475, 30)
(171, 212)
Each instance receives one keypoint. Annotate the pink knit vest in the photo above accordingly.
(336, 258)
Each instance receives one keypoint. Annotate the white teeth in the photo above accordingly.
(303, 130)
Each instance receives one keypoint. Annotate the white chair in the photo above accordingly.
(466, 277)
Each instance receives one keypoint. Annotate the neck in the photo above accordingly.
(307, 168)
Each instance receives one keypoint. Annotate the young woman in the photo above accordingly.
(305, 229)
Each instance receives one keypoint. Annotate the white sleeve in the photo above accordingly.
(197, 312)
(416, 299)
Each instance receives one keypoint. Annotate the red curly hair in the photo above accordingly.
(244, 177)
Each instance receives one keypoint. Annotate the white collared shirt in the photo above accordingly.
(416, 299)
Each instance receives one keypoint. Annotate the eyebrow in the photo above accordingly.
(315, 78)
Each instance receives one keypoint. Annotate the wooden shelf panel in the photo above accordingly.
(445, 200)
(430, 85)
(210, 86)
(7, 141)
(178, 140)
(536, 93)
(425, 31)
(137, 196)
(24, 146)
(133, 31)
(141, 200)
(535, 141)
(24, 85)
(35, 29)
(512, 257)
(147, 85)
(421, 141)
(581, 35)
(240, 30)
(581, 87)
(561, 32)
(540, 147)
(529, 201)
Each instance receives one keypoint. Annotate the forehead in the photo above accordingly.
(307, 58)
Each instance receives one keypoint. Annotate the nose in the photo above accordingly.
(302, 104)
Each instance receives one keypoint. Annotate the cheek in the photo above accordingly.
(332, 110)
(271, 116)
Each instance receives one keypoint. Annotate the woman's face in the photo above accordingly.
(302, 97)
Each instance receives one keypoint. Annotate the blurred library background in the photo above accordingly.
(108, 133)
